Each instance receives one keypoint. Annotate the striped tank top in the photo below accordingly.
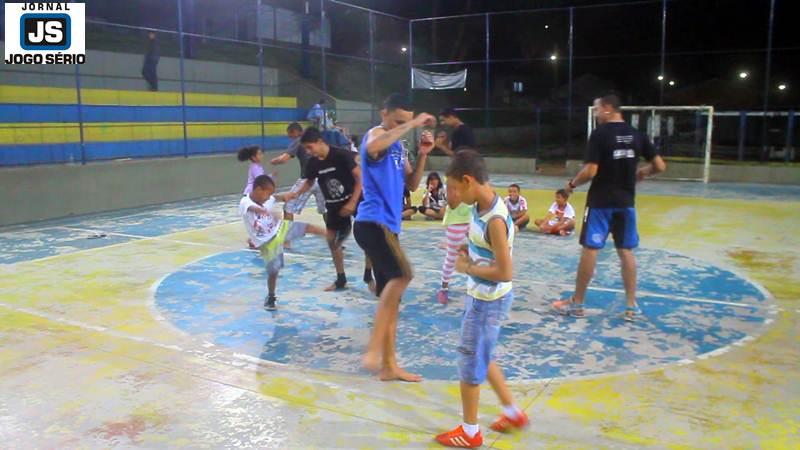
(481, 252)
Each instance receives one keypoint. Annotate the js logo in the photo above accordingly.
(45, 32)
(48, 33)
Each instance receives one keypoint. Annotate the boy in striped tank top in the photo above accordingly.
(489, 270)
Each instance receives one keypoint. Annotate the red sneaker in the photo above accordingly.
(504, 424)
(459, 438)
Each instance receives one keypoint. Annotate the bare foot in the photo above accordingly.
(371, 362)
(332, 288)
(398, 374)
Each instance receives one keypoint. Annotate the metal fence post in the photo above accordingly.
(322, 47)
(663, 52)
(260, 73)
(488, 86)
(767, 81)
(80, 112)
(411, 60)
(183, 87)
(698, 139)
(742, 133)
(569, 77)
(371, 18)
(789, 136)
(538, 131)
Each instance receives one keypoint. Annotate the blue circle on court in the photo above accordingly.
(690, 308)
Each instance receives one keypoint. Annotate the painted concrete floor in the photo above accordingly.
(144, 329)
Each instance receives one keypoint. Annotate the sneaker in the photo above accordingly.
(269, 303)
(504, 424)
(459, 438)
(443, 296)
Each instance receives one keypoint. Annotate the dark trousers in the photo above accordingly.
(150, 75)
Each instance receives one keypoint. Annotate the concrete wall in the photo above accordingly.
(495, 165)
(356, 116)
(47, 192)
(723, 173)
(111, 70)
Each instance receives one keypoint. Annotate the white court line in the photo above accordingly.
(133, 236)
(422, 269)
(600, 289)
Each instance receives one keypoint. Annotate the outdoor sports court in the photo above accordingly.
(135, 307)
(154, 335)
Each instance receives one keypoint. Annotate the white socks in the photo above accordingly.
(511, 411)
(471, 430)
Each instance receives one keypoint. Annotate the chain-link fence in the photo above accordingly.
(187, 77)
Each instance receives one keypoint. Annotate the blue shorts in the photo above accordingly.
(480, 327)
(620, 222)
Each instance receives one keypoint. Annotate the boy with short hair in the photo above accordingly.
(489, 270)
(518, 207)
(338, 175)
(560, 218)
(267, 232)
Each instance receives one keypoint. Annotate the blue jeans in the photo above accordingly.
(480, 327)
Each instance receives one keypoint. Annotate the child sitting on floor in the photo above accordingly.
(435, 200)
(518, 207)
(267, 232)
(560, 218)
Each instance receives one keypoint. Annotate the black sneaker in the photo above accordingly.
(269, 303)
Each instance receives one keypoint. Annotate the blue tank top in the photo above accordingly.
(384, 180)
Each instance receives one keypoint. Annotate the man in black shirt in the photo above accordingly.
(612, 165)
(462, 136)
(338, 175)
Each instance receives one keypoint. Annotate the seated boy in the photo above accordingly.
(518, 207)
(268, 233)
(560, 218)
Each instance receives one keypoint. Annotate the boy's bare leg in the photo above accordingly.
(585, 273)
(272, 282)
(498, 383)
(313, 229)
(368, 267)
(470, 397)
(628, 261)
(337, 254)
(384, 334)
(390, 371)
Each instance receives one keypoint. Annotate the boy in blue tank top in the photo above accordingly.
(489, 270)
(386, 172)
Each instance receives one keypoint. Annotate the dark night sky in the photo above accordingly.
(708, 43)
(706, 40)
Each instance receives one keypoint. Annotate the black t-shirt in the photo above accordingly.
(616, 148)
(462, 137)
(297, 150)
(335, 175)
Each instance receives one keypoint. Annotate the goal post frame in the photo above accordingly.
(704, 109)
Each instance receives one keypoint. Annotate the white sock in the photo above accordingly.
(511, 411)
(471, 430)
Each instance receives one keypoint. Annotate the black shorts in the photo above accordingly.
(382, 247)
(341, 226)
